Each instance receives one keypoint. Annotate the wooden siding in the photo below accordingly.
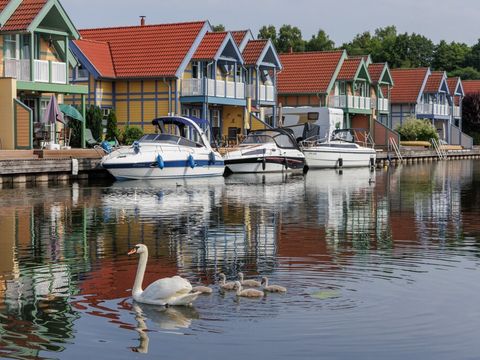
(23, 130)
(233, 116)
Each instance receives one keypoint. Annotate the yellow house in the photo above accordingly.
(147, 71)
(34, 63)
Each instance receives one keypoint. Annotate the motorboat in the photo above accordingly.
(345, 148)
(179, 149)
(266, 151)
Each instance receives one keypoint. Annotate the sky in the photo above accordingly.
(341, 19)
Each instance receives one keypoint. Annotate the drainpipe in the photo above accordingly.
(169, 95)
(207, 117)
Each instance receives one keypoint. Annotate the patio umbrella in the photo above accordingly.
(71, 112)
(52, 113)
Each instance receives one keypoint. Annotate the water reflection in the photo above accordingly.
(62, 249)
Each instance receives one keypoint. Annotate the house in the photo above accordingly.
(148, 71)
(332, 79)
(425, 94)
(471, 86)
(34, 63)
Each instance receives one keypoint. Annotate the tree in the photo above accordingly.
(473, 58)
(360, 45)
(320, 42)
(451, 56)
(268, 32)
(471, 116)
(415, 51)
(383, 45)
(290, 39)
(112, 129)
(467, 73)
(218, 28)
(94, 121)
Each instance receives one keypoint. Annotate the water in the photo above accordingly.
(382, 269)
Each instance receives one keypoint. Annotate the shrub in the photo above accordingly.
(417, 130)
(94, 121)
(131, 134)
(112, 130)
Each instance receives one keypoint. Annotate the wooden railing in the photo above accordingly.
(17, 69)
(350, 102)
(210, 87)
(44, 71)
(433, 109)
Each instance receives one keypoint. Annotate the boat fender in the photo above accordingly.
(340, 162)
(136, 147)
(160, 162)
(211, 158)
(191, 161)
(264, 163)
(286, 163)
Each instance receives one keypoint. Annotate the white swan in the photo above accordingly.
(251, 283)
(166, 291)
(247, 292)
(224, 285)
(202, 289)
(272, 288)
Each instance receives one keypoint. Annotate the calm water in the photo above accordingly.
(381, 270)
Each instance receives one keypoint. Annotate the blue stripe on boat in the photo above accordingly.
(168, 164)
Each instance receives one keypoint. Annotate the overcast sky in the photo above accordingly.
(452, 20)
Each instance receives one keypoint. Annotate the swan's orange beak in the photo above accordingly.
(133, 251)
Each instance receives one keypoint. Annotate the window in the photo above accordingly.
(10, 45)
(185, 111)
(26, 47)
(196, 113)
(342, 88)
(195, 70)
(239, 74)
(215, 120)
(312, 116)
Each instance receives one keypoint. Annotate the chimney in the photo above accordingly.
(142, 20)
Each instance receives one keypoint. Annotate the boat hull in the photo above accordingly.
(324, 158)
(269, 164)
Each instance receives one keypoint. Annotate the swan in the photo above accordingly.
(202, 289)
(166, 291)
(251, 283)
(272, 288)
(224, 285)
(247, 292)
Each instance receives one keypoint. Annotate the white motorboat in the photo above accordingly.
(342, 150)
(266, 151)
(180, 149)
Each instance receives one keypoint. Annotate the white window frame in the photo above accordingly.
(16, 42)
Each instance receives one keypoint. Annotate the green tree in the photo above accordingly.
(360, 45)
(471, 116)
(383, 44)
(414, 129)
(218, 28)
(320, 42)
(290, 39)
(467, 73)
(112, 129)
(415, 51)
(268, 32)
(451, 56)
(473, 58)
(94, 121)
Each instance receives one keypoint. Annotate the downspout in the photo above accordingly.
(169, 95)
(207, 115)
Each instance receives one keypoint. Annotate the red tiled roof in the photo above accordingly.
(253, 50)
(24, 15)
(434, 82)
(3, 4)
(452, 84)
(209, 46)
(307, 73)
(375, 71)
(147, 51)
(238, 36)
(99, 55)
(471, 86)
(349, 69)
(408, 83)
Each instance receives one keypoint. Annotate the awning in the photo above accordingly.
(71, 112)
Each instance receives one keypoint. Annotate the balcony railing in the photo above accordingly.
(210, 87)
(383, 105)
(433, 109)
(350, 102)
(44, 71)
(17, 69)
(456, 112)
(266, 93)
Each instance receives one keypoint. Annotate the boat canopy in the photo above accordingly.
(282, 137)
(180, 120)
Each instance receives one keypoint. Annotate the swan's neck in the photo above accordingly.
(266, 282)
(239, 290)
(142, 265)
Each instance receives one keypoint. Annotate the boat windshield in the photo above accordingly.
(344, 135)
(177, 130)
(281, 139)
(170, 139)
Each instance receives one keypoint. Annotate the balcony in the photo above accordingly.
(44, 71)
(433, 109)
(383, 105)
(210, 87)
(350, 102)
(266, 93)
(457, 114)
